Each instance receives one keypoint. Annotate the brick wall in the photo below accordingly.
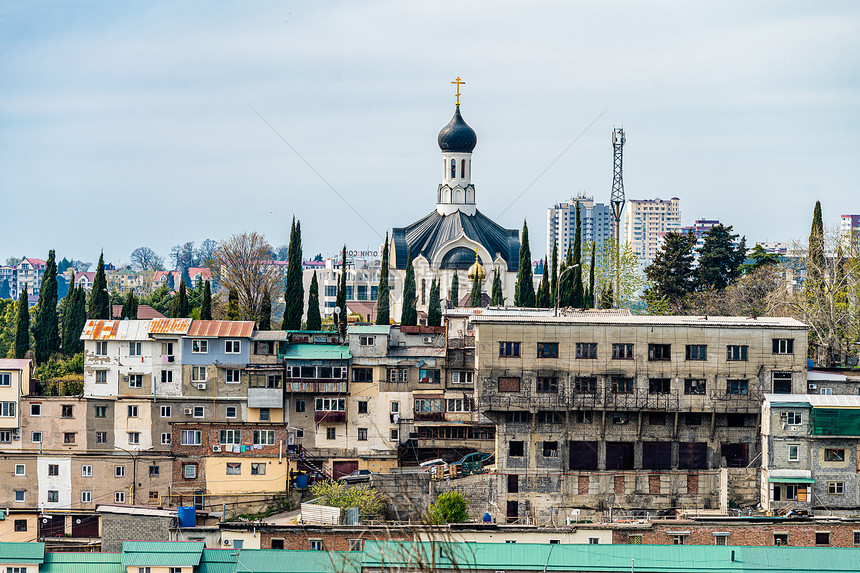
(799, 534)
(333, 539)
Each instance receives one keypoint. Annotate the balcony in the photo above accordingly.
(429, 416)
(316, 386)
(329, 417)
(265, 398)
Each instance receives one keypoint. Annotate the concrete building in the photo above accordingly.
(14, 383)
(645, 223)
(597, 221)
(849, 230)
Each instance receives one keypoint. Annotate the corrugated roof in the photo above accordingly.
(22, 552)
(217, 561)
(269, 335)
(162, 553)
(288, 561)
(116, 330)
(221, 328)
(14, 363)
(144, 312)
(316, 352)
(816, 400)
(170, 326)
(637, 320)
(74, 562)
(369, 329)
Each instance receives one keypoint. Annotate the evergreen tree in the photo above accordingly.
(577, 294)
(47, 330)
(68, 306)
(185, 277)
(129, 307)
(233, 306)
(265, 322)
(5, 289)
(171, 281)
(815, 264)
(409, 315)
(383, 300)
(525, 291)
(206, 304)
(719, 260)
(454, 293)
(553, 284)
(671, 272)
(543, 300)
(591, 277)
(294, 297)
(74, 319)
(565, 280)
(314, 321)
(340, 301)
(22, 326)
(100, 299)
(759, 258)
(180, 303)
(498, 298)
(475, 296)
(434, 310)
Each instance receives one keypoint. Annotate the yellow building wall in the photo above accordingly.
(219, 483)
(8, 533)
(275, 414)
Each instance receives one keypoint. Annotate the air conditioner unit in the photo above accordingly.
(188, 411)
(216, 449)
(201, 385)
(783, 415)
(428, 340)
(228, 542)
(291, 439)
(813, 386)
(170, 358)
(125, 378)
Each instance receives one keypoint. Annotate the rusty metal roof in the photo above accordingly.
(170, 326)
(221, 328)
(116, 330)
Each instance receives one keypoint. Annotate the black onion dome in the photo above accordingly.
(457, 136)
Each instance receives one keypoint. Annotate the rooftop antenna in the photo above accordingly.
(617, 201)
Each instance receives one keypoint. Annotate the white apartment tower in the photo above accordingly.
(646, 221)
(595, 218)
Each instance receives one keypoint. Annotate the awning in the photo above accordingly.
(789, 479)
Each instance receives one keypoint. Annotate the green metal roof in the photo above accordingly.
(615, 558)
(369, 329)
(316, 352)
(72, 562)
(784, 479)
(216, 561)
(22, 552)
(287, 561)
(162, 553)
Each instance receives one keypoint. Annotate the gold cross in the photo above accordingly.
(458, 82)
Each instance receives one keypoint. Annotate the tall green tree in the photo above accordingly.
(577, 293)
(815, 254)
(206, 303)
(454, 293)
(543, 294)
(100, 299)
(671, 273)
(180, 303)
(233, 306)
(74, 320)
(294, 297)
(409, 315)
(498, 298)
(719, 259)
(340, 300)
(314, 321)
(129, 307)
(525, 291)
(553, 283)
(265, 321)
(22, 325)
(565, 280)
(606, 298)
(383, 301)
(47, 330)
(759, 258)
(434, 310)
(475, 296)
(592, 277)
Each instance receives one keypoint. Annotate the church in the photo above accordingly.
(447, 240)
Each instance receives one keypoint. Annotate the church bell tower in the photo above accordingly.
(456, 140)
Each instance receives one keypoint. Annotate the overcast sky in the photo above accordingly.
(145, 123)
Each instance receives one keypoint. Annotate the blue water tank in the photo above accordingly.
(187, 517)
(487, 517)
(301, 481)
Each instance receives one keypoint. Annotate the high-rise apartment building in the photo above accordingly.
(849, 228)
(595, 218)
(645, 223)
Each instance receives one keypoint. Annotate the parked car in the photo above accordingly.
(357, 476)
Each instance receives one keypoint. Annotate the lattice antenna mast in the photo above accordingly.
(617, 201)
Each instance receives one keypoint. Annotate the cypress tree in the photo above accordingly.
(553, 285)
(265, 322)
(68, 307)
(475, 296)
(100, 299)
(294, 297)
(314, 321)
(591, 276)
(525, 291)
(129, 307)
(577, 294)
(181, 302)
(454, 293)
(606, 297)
(543, 295)
(340, 301)
(22, 325)
(815, 264)
(171, 281)
(565, 280)
(498, 298)
(434, 310)
(409, 315)
(206, 305)
(74, 321)
(47, 331)
(383, 299)
(233, 306)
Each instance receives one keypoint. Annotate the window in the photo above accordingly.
(394, 435)
(857, 538)
(365, 340)
(191, 437)
(509, 349)
(167, 348)
(622, 385)
(119, 497)
(677, 540)
(583, 416)
(101, 437)
(735, 420)
(265, 415)
(634, 540)
(5, 436)
(783, 346)
(660, 352)
(826, 391)
(330, 290)
(362, 407)
(264, 437)
(20, 469)
(697, 352)
(834, 455)
(736, 353)
(550, 449)
(199, 411)
(234, 468)
(657, 419)
(586, 350)
(780, 539)
(362, 374)
(119, 471)
(462, 377)
(782, 382)
(362, 434)
(354, 544)
(394, 407)
(547, 385)
(101, 348)
(317, 544)
(300, 405)
(20, 526)
(189, 471)
(67, 411)
(516, 448)
(585, 385)
(331, 405)
(547, 349)
(398, 375)
(822, 538)
(693, 419)
(835, 488)
(198, 373)
(229, 436)
(793, 452)
(101, 411)
(68, 437)
(457, 405)
(593, 540)
(101, 376)
(509, 384)
(167, 376)
(132, 411)
(622, 351)
(200, 346)
(53, 469)
(86, 497)
(135, 380)
(794, 418)
(165, 438)
(5, 379)
(154, 471)
(659, 385)
(737, 387)
(720, 538)
(258, 469)
(620, 418)
(20, 496)
(329, 433)
(230, 412)
(233, 376)
(232, 346)
(53, 496)
(134, 349)
(693, 386)
(428, 376)
(36, 437)
(300, 432)
(166, 411)
(35, 410)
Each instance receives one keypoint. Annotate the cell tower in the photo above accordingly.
(617, 201)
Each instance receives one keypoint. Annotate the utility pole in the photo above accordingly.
(617, 201)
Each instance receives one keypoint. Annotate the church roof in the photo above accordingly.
(457, 136)
(427, 237)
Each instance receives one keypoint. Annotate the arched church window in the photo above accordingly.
(463, 169)
(423, 291)
(453, 168)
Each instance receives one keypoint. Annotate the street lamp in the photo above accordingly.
(558, 284)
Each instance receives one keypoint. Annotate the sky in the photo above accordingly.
(127, 124)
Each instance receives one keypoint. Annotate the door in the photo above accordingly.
(737, 455)
(343, 468)
(583, 455)
(619, 455)
(85, 526)
(513, 511)
(52, 526)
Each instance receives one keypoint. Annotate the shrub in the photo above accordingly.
(450, 507)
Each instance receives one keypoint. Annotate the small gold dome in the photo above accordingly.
(476, 271)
